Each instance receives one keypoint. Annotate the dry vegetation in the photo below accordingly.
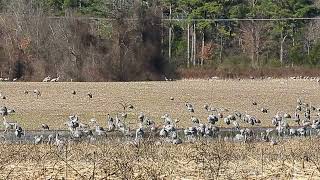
(294, 159)
(112, 159)
(153, 98)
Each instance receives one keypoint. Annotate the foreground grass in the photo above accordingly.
(292, 159)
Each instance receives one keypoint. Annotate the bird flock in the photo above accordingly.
(234, 126)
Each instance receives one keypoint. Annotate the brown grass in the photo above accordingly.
(238, 72)
(293, 159)
(153, 98)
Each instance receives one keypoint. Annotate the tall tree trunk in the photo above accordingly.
(202, 49)
(221, 49)
(194, 44)
(170, 31)
(283, 38)
(188, 46)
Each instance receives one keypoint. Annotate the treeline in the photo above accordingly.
(122, 40)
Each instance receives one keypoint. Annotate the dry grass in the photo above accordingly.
(153, 98)
(294, 159)
(291, 159)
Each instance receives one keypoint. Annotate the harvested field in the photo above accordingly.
(94, 156)
(294, 159)
(57, 102)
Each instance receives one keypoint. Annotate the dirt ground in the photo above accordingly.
(57, 102)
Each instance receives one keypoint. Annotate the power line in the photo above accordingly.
(242, 19)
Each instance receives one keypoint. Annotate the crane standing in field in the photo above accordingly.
(37, 93)
(55, 79)
(47, 79)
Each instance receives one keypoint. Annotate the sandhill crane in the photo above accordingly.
(206, 107)
(3, 111)
(292, 132)
(45, 126)
(236, 125)
(72, 125)
(195, 120)
(176, 141)
(59, 143)
(10, 111)
(273, 142)
(163, 133)
(8, 125)
(78, 133)
(141, 117)
(18, 131)
(50, 138)
(37, 92)
(100, 131)
(264, 110)
(47, 79)
(2, 96)
(227, 121)
(139, 134)
(298, 108)
(232, 117)
(110, 123)
(299, 102)
(38, 139)
(190, 107)
(212, 119)
(286, 115)
(55, 79)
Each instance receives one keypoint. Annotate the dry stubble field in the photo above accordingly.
(153, 98)
(291, 159)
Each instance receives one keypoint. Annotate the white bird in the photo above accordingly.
(45, 126)
(47, 79)
(55, 79)
(38, 139)
(37, 92)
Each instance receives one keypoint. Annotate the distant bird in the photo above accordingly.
(55, 79)
(139, 134)
(37, 92)
(8, 125)
(47, 79)
(273, 142)
(195, 120)
(130, 106)
(38, 139)
(254, 103)
(286, 115)
(2, 96)
(227, 121)
(3, 111)
(10, 111)
(190, 107)
(206, 107)
(264, 110)
(212, 119)
(171, 98)
(90, 95)
(18, 131)
(45, 126)
(26, 92)
(74, 92)
(100, 131)
(141, 117)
